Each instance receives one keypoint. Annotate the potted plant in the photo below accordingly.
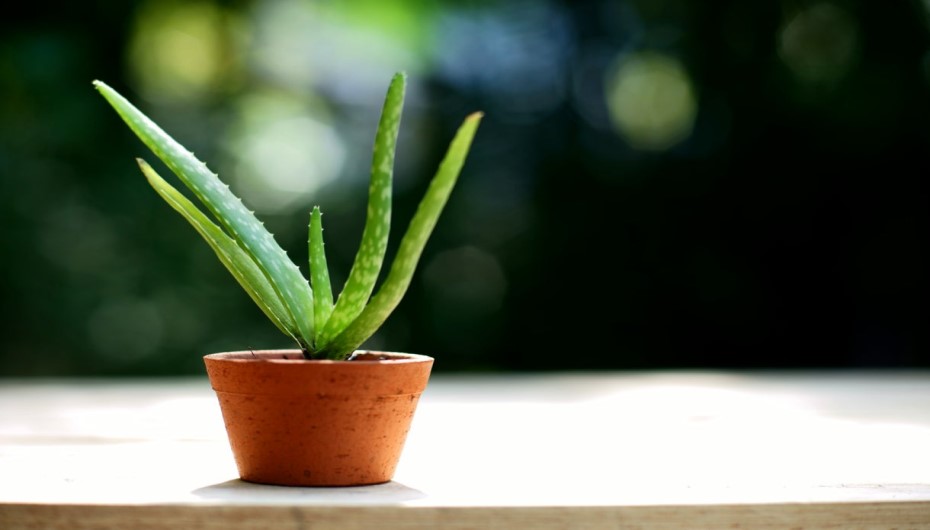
(324, 414)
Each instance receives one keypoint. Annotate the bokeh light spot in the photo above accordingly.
(179, 51)
(818, 44)
(466, 289)
(651, 100)
(126, 330)
(516, 52)
(466, 281)
(282, 151)
(351, 47)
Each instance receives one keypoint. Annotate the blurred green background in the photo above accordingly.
(657, 183)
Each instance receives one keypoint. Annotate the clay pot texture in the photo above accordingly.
(296, 422)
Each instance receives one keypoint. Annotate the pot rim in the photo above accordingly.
(265, 356)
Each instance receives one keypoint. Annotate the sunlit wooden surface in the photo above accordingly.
(647, 450)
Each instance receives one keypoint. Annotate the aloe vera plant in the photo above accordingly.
(323, 327)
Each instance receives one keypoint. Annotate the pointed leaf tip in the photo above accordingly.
(242, 226)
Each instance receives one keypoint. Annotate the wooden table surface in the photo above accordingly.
(686, 450)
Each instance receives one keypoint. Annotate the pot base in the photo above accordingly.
(295, 422)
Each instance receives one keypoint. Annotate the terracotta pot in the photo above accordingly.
(296, 422)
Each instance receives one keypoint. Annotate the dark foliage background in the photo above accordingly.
(655, 184)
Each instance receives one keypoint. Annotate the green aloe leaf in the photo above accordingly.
(370, 256)
(236, 260)
(245, 229)
(319, 271)
(411, 246)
